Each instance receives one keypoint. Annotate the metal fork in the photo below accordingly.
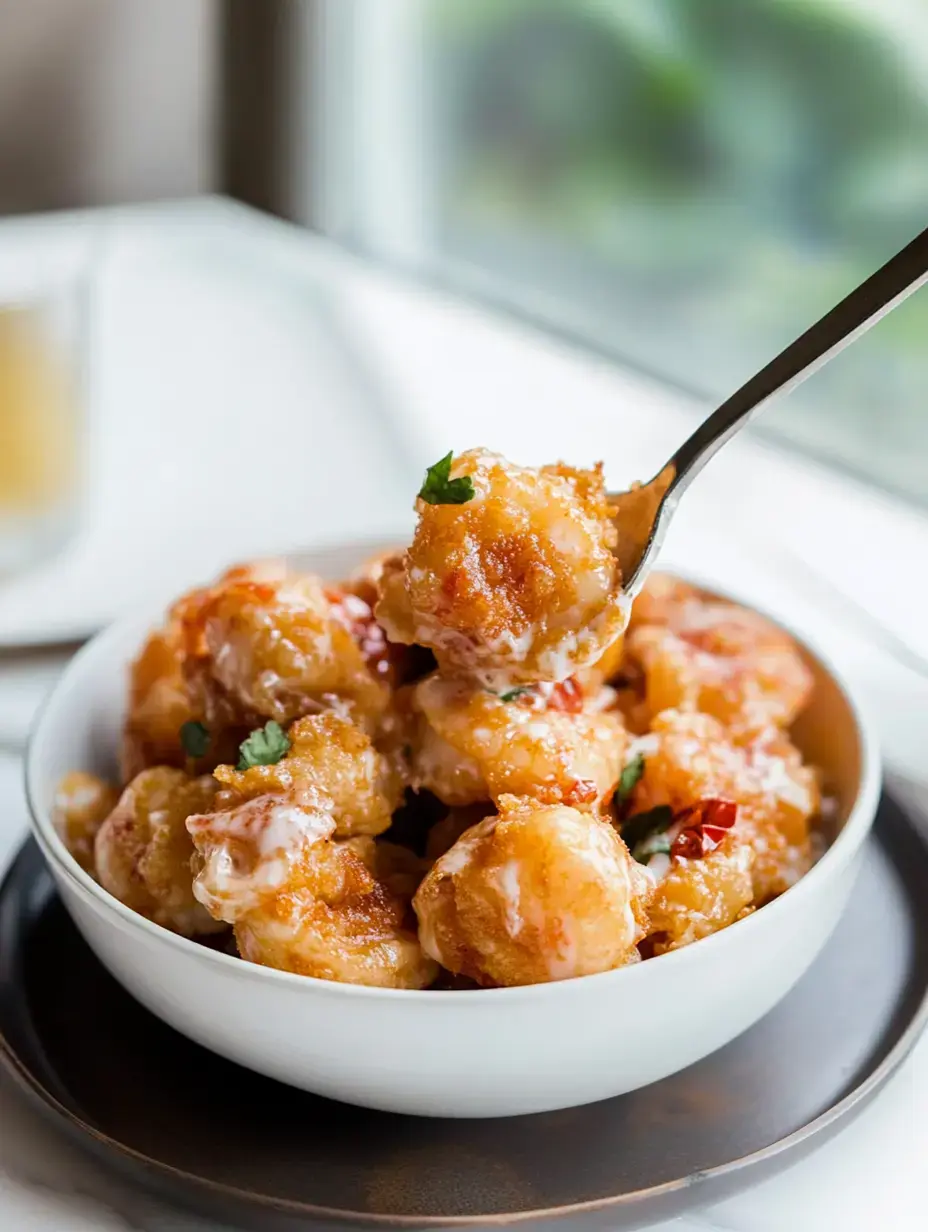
(643, 513)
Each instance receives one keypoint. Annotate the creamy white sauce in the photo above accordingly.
(457, 857)
(603, 699)
(629, 923)
(646, 746)
(428, 939)
(515, 646)
(774, 777)
(461, 853)
(510, 888)
(600, 850)
(354, 606)
(743, 858)
(658, 866)
(249, 851)
(78, 798)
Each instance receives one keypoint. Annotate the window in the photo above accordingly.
(686, 185)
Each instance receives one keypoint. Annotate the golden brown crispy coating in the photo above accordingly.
(158, 705)
(697, 653)
(335, 759)
(518, 584)
(263, 643)
(701, 896)
(143, 852)
(400, 869)
(550, 743)
(82, 803)
(691, 757)
(533, 894)
(487, 667)
(303, 903)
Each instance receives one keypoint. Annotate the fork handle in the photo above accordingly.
(853, 316)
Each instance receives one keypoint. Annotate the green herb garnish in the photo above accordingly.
(438, 488)
(654, 844)
(195, 738)
(642, 825)
(264, 747)
(512, 694)
(629, 777)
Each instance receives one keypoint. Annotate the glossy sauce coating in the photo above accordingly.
(268, 644)
(533, 894)
(302, 902)
(82, 803)
(143, 853)
(695, 898)
(468, 744)
(336, 761)
(691, 757)
(519, 584)
(715, 657)
(468, 733)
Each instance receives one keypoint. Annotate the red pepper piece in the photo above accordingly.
(567, 696)
(702, 827)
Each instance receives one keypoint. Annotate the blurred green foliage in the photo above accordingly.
(704, 177)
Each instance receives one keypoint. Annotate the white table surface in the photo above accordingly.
(258, 390)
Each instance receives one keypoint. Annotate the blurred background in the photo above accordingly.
(680, 186)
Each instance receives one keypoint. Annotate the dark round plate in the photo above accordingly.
(263, 1156)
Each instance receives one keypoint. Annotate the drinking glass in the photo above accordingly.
(45, 294)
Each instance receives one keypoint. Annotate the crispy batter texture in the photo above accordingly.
(518, 584)
(533, 894)
(335, 759)
(143, 853)
(303, 902)
(469, 745)
(82, 803)
(486, 670)
(692, 757)
(269, 644)
(699, 897)
(159, 705)
(720, 658)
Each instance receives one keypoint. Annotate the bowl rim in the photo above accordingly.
(839, 852)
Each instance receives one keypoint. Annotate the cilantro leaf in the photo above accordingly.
(511, 694)
(264, 747)
(195, 738)
(630, 775)
(654, 844)
(438, 488)
(642, 825)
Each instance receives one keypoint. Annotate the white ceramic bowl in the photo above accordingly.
(495, 1052)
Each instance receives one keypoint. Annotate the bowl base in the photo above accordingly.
(258, 1154)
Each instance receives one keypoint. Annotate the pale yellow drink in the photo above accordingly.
(38, 422)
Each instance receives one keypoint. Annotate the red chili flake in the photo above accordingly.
(581, 791)
(703, 826)
(567, 696)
